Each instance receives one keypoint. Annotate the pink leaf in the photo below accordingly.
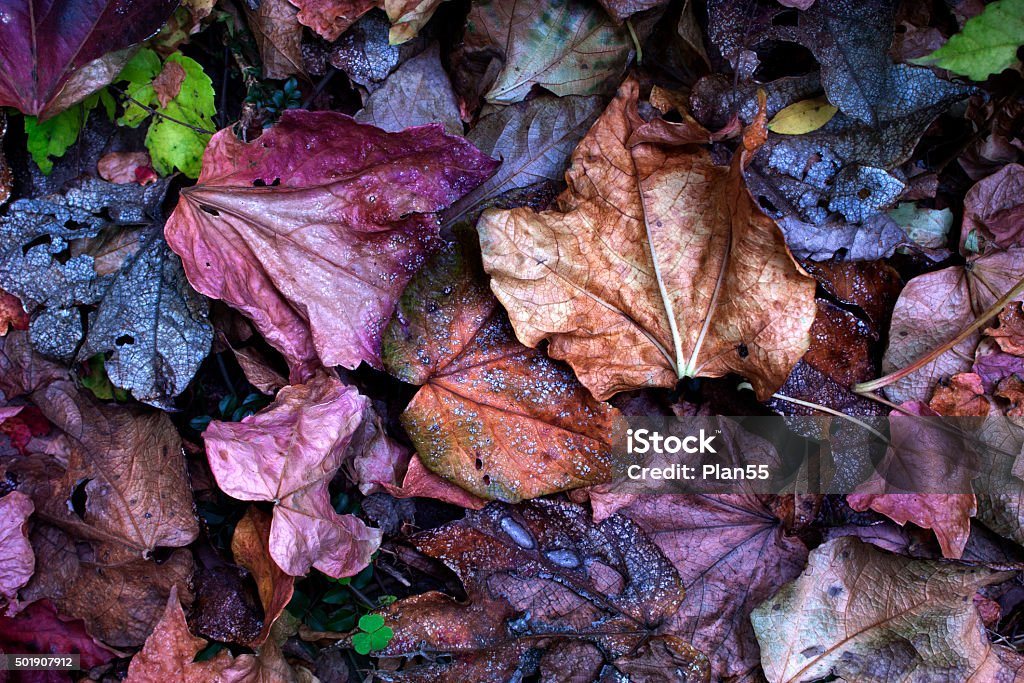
(17, 562)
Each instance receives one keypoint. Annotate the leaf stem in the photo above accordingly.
(867, 388)
(636, 43)
(831, 411)
(159, 113)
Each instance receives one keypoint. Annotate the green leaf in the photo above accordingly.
(370, 622)
(380, 638)
(362, 643)
(173, 145)
(140, 72)
(98, 382)
(987, 44)
(52, 137)
(142, 69)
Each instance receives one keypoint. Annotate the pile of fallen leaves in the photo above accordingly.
(319, 319)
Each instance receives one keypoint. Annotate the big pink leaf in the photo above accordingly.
(16, 558)
(314, 229)
(288, 453)
(55, 53)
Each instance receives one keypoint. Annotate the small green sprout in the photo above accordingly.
(373, 634)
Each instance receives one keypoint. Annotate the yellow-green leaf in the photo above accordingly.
(805, 116)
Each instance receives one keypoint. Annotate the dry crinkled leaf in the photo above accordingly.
(250, 546)
(1009, 335)
(864, 615)
(374, 457)
(656, 265)
(621, 10)
(408, 17)
(419, 482)
(498, 419)
(127, 167)
(85, 43)
(275, 27)
(568, 47)
(170, 651)
(16, 559)
(288, 453)
(418, 93)
(96, 254)
(316, 248)
(538, 576)
(38, 628)
(533, 139)
(732, 552)
(934, 308)
(994, 212)
(331, 18)
(167, 83)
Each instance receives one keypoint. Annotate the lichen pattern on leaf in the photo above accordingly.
(655, 265)
(100, 245)
(314, 229)
(498, 419)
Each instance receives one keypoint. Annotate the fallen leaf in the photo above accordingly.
(12, 313)
(802, 117)
(994, 212)
(962, 396)
(418, 93)
(533, 139)
(928, 229)
(167, 84)
(933, 309)
(498, 419)
(419, 482)
(364, 53)
(127, 167)
(374, 457)
(170, 144)
(408, 17)
(732, 552)
(568, 47)
(38, 629)
(287, 454)
(829, 623)
(258, 371)
(275, 27)
(170, 651)
(96, 254)
(871, 286)
(250, 546)
(6, 177)
(621, 10)
(17, 562)
(993, 365)
(85, 49)
(636, 288)
(540, 576)
(366, 204)
(987, 44)
(331, 18)
(1009, 335)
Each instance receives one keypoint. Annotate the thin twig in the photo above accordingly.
(160, 114)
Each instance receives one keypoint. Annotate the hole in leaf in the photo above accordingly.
(742, 350)
(479, 464)
(487, 480)
(42, 239)
(209, 209)
(124, 339)
(79, 498)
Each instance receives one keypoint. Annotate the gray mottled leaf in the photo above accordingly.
(97, 254)
(419, 92)
(533, 140)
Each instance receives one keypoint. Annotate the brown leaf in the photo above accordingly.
(12, 313)
(167, 83)
(994, 211)
(169, 653)
(500, 420)
(331, 18)
(408, 17)
(250, 546)
(419, 482)
(873, 286)
(1010, 333)
(864, 615)
(129, 167)
(732, 552)
(634, 285)
(275, 26)
(538, 575)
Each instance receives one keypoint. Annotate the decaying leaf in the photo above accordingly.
(568, 47)
(418, 93)
(408, 17)
(331, 18)
(16, 559)
(316, 248)
(860, 613)
(84, 41)
(533, 139)
(732, 552)
(127, 167)
(498, 419)
(934, 308)
(624, 9)
(170, 651)
(287, 454)
(275, 26)
(250, 547)
(419, 482)
(994, 212)
(542, 577)
(96, 254)
(656, 265)
(38, 628)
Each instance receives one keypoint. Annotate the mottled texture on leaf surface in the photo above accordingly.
(288, 453)
(314, 229)
(568, 47)
(655, 265)
(865, 615)
(96, 253)
(54, 54)
(16, 558)
(543, 576)
(331, 18)
(501, 420)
